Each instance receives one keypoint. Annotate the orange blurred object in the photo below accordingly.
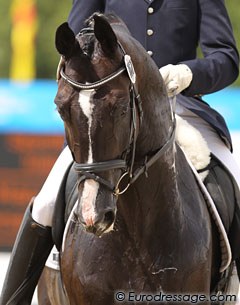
(23, 34)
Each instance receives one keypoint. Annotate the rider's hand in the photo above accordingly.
(176, 78)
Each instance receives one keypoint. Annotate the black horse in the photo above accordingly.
(141, 224)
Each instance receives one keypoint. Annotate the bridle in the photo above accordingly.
(89, 170)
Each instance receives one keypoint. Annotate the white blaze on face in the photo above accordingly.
(88, 200)
(90, 188)
(87, 108)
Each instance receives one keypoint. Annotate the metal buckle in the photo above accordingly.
(117, 191)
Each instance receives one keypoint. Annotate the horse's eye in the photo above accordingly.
(120, 110)
(124, 110)
(63, 112)
(101, 92)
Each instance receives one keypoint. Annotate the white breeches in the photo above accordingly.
(44, 202)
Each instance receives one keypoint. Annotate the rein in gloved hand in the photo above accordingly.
(176, 78)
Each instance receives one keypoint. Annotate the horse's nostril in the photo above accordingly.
(109, 217)
(91, 229)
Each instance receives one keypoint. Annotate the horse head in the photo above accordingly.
(99, 102)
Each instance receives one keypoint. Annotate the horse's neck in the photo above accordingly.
(151, 200)
(157, 121)
(156, 130)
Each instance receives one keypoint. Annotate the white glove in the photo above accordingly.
(176, 78)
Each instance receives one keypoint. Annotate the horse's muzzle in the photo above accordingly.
(102, 224)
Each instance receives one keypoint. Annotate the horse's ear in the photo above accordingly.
(65, 41)
(105, 35)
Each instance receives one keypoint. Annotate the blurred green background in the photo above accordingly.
(50, 15)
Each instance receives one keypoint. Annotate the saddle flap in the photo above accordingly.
(59, 211)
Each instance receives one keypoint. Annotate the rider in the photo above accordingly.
(170, 31)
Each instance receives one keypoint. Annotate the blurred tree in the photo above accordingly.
(5, 30)
(233, 7)
(51, 15)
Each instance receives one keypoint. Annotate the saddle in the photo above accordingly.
(225, 194)
(219, 182)
(66, 198)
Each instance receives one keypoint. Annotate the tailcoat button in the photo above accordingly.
(150, 32)
(150, 10)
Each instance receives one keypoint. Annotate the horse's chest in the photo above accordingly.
(100, 267)
(100, 283)
(123, 270)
